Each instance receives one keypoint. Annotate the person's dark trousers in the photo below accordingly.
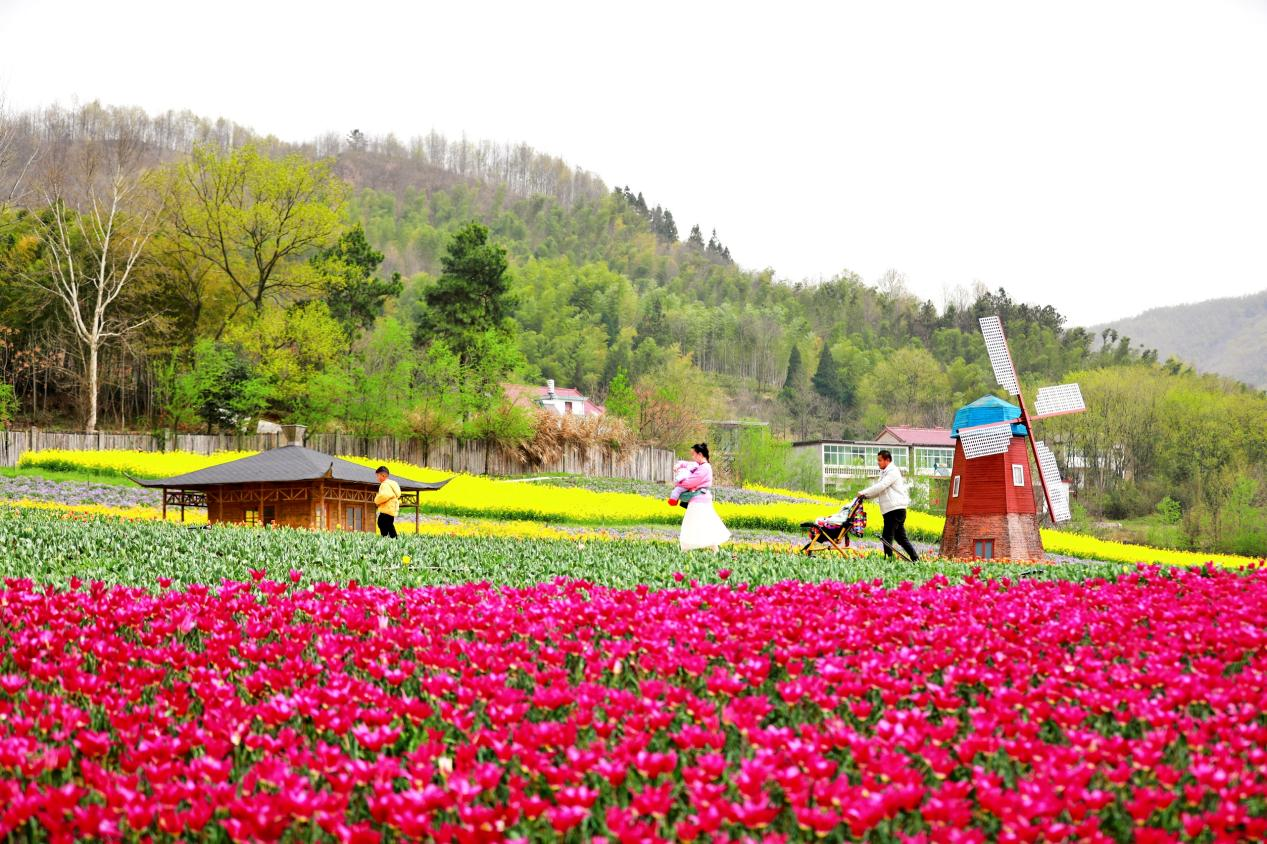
(895, 531)
(387, 525)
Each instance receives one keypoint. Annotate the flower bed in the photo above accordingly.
(1011, 711)
(28, 488)
(482, 497)
(58, 546)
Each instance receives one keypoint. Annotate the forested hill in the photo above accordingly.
(604, 282)
(1227, 336)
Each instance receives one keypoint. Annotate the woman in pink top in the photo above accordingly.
(701, 526)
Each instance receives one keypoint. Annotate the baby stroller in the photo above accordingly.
(825, 535)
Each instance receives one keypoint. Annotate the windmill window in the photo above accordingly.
(270, 515)
(955, 492)
(1018, 474)
(984, 549)
(252, 517)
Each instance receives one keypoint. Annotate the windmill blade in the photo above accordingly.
(1000, 356)
(1057, 401)
(1060, 504)
(984, 440)
(1053, 485)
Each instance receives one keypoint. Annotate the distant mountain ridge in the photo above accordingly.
(1225, 336)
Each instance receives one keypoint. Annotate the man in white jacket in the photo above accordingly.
(891, 495)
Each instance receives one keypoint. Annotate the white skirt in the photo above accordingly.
(701, 526)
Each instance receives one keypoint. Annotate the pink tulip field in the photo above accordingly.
(1129, 708)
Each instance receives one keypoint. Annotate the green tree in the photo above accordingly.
(352, 292)
(793, 382)
(177, 393)
(500, 425)
(302, 354)
(621, 399)
(853, 364)
(8, 405)
(438, 404)
(826, 378)
(799, 400)
(253, 219)
(762, 458)
(1205, 448)
(381, 389)
(908, 387)
(472, 295)
(229, 395)
(696, 238)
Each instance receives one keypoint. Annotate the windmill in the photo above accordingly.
(990, 511)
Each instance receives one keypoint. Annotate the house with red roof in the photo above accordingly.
(564, 401)
(932, 451)
(918, 452)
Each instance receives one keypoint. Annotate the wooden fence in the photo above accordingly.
(473, 457)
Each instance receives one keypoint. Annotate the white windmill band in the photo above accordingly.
(1053, 485)
(1047, 467)
(1060, 504)
(1054, 401)
(984, 440)
(1000, 357)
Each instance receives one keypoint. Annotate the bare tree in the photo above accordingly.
(17, 155)
(94, 233)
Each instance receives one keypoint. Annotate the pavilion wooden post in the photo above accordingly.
(164, 503)
(182, 506)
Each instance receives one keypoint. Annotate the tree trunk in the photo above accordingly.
(92, 387)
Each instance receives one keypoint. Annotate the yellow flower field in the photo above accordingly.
(499, 502)
(138, 464)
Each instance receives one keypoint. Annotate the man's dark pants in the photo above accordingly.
(387, 525)
(895, 531)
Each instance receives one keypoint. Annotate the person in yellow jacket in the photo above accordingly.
(388, 501)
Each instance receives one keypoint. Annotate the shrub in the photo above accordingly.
(1170, 511)
(8, 405)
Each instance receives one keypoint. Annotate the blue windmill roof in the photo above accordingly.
(985, 410)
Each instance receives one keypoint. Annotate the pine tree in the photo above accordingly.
(670, 227)
(792, 383)
(471, 296)
(826, 379)
(354, 294)
(696, 239)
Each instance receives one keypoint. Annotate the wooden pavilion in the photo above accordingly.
(289, 485)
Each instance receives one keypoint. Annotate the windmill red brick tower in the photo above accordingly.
(990, 512)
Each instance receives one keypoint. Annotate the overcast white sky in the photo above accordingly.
(1103, 157)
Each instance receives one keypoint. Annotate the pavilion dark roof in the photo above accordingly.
(288, 463)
